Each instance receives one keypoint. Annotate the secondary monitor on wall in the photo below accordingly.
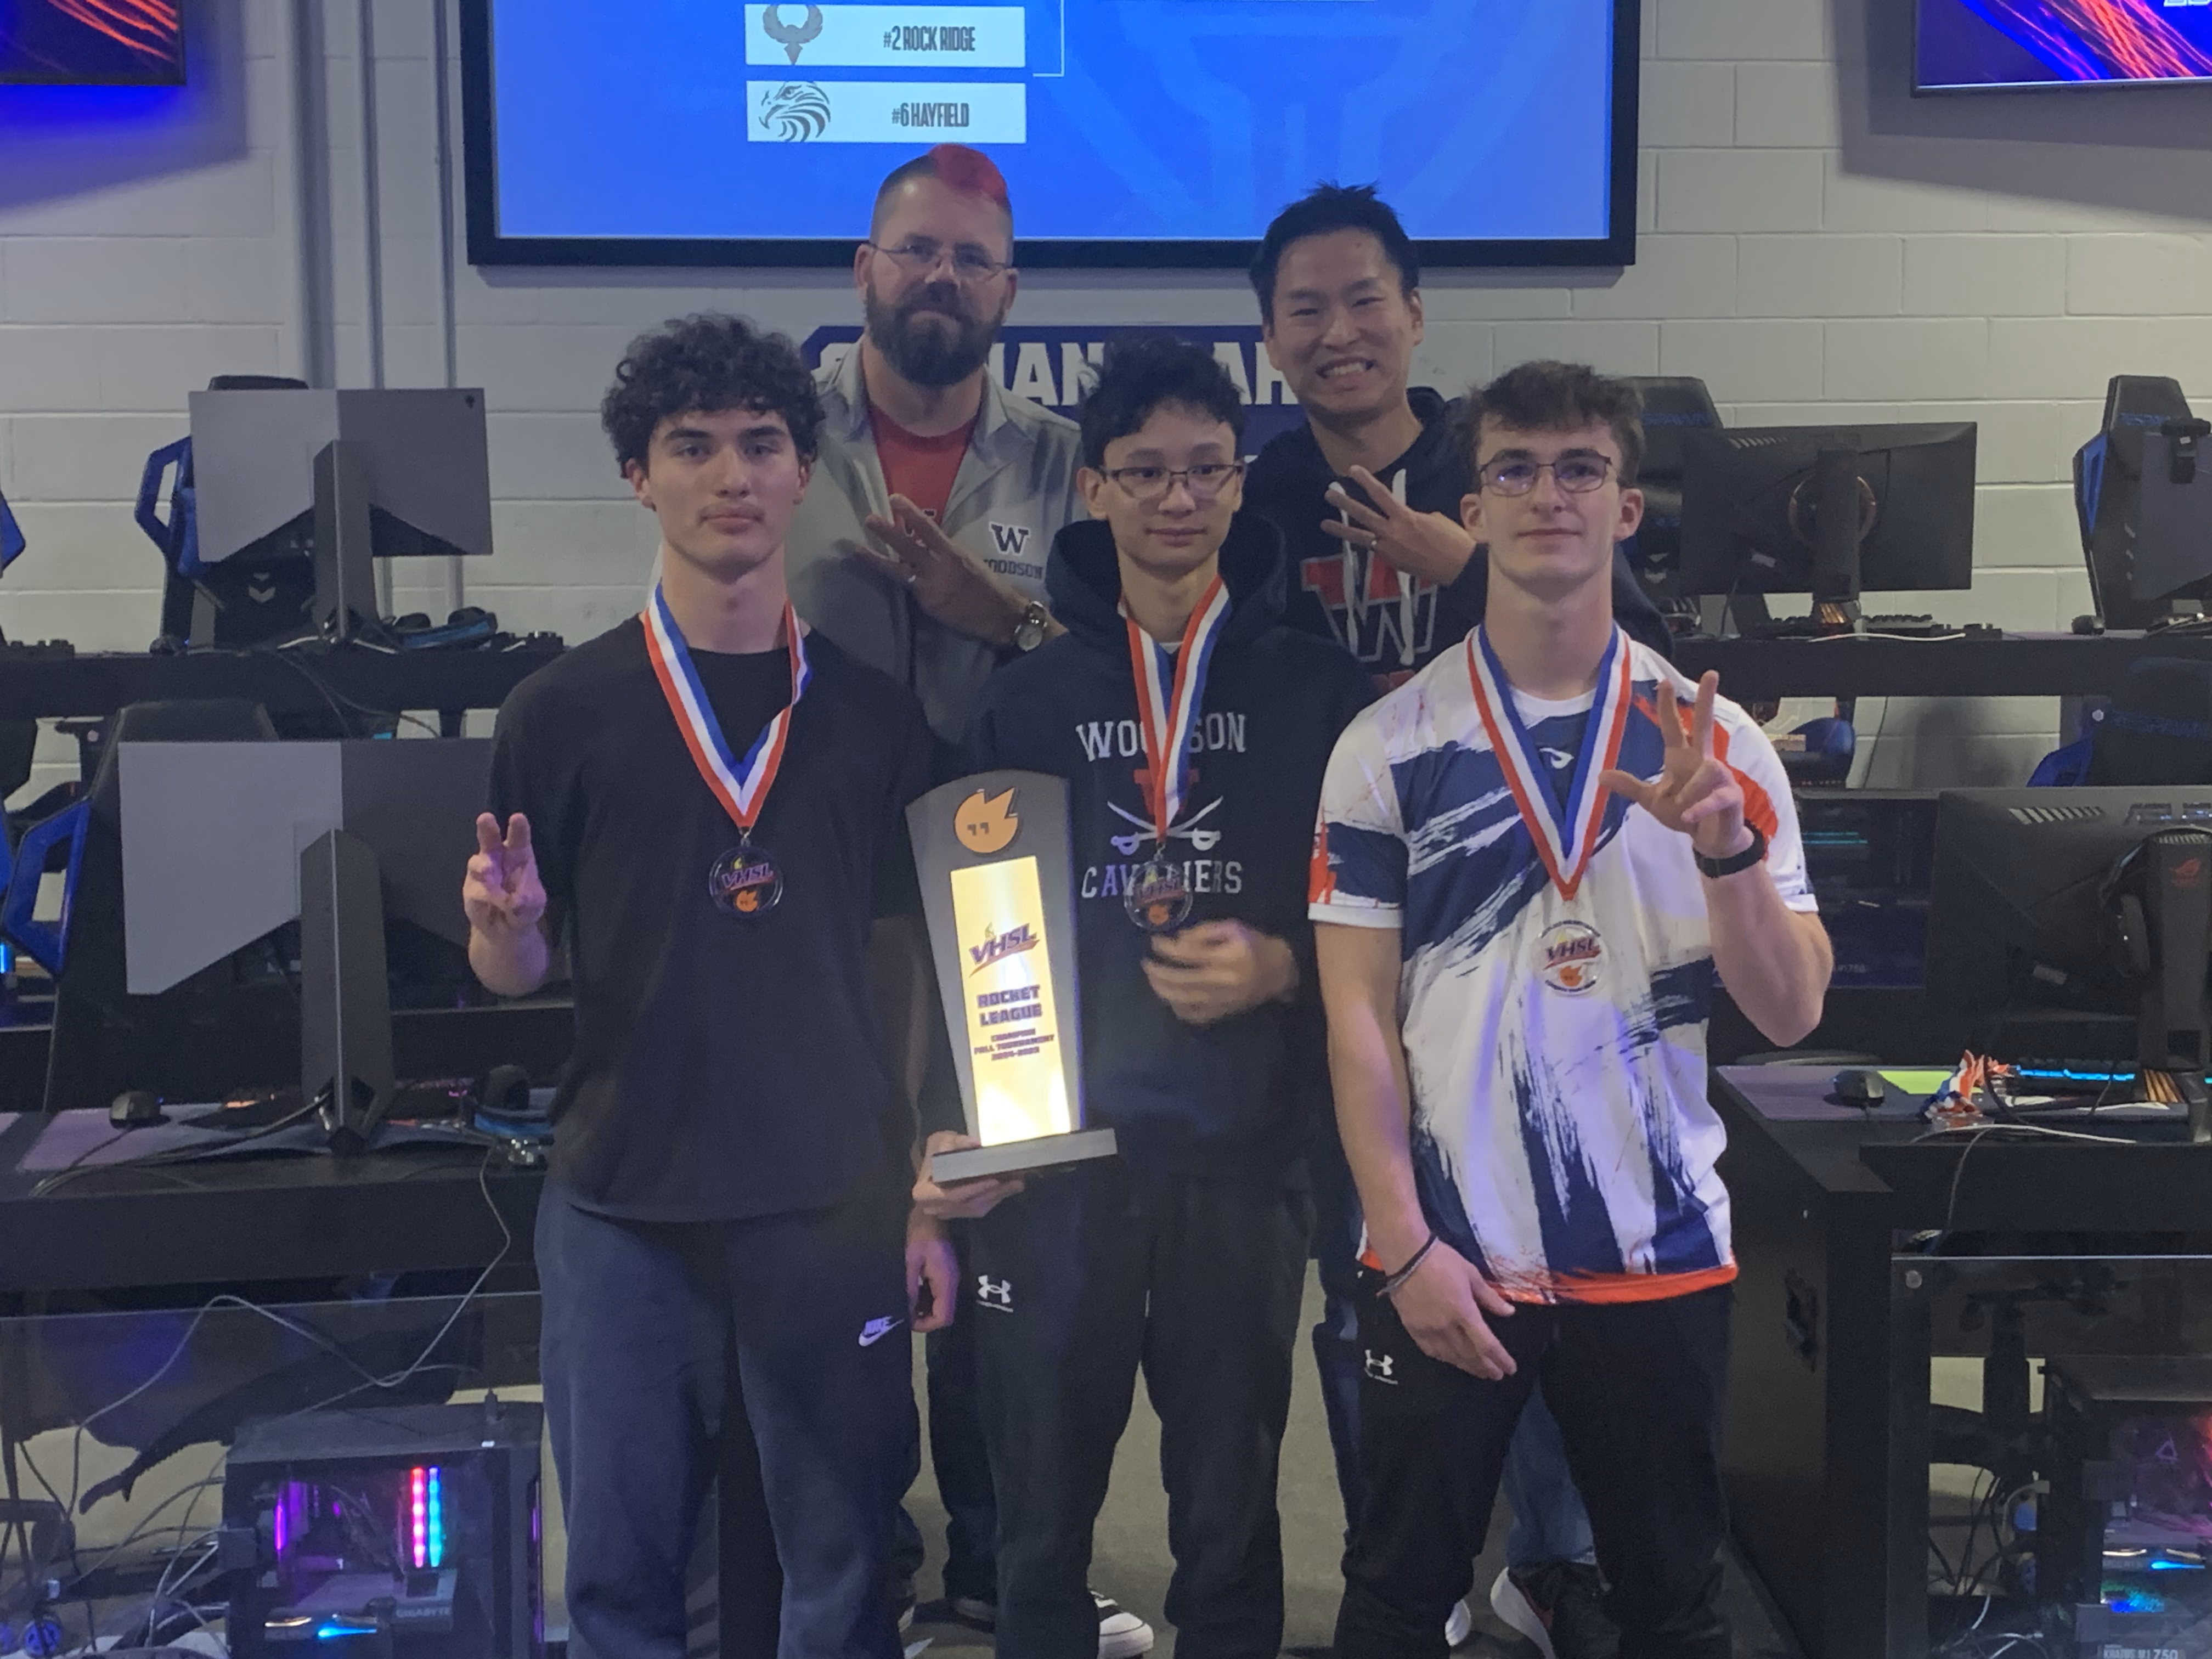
(1984, 46)
(665, 131)
(92, 43)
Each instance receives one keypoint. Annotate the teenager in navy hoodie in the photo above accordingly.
(1193, 729)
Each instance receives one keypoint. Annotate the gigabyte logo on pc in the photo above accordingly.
(795, 112)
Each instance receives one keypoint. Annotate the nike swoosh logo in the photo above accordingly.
(876, 1329)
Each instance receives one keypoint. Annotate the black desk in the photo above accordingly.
(2017, 666)
(278, 1218)
(1829, 1423)
(100, 682)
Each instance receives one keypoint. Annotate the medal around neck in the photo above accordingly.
(1170, 693)
(1158, 898)
(743, 882)
(998, 888)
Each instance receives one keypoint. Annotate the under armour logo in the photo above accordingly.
(1380, 1366)
(997, 1294)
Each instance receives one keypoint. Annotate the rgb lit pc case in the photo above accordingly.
(2124, 1539)
(417, 1527)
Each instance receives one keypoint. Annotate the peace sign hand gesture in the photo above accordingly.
(502, 894)
(1694, 793)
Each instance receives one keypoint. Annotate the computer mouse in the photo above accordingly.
(136, 1108)
(1860, 1086)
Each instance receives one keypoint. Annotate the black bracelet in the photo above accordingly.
(1714, 869)
(1391, 1283)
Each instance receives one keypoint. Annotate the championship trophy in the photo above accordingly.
(998, 886)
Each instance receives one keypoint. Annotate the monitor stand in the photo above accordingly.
(347, 1071)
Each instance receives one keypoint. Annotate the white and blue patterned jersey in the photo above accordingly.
(1562, 1138)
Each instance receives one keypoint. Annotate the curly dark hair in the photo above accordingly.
(1552, 397)
(1140, 374)
(1326, 208)
(706, 364)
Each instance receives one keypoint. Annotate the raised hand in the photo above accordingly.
(947, 581)
(959, 1200)
(1426, 546)
(1694, 793)
(502, 893)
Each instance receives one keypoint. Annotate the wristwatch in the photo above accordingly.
(1029, 631)
(1714, 869)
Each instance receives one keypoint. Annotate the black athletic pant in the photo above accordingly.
(1637, 1389)
(1079, 1281)
(641, 1323)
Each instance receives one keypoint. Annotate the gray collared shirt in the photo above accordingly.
(1014, 488)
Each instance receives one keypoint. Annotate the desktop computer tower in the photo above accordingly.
(417, 1527)
(2124, 1539)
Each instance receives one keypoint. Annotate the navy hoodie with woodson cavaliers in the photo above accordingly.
(1239, 1098)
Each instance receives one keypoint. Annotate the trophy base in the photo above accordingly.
(1020, 1157)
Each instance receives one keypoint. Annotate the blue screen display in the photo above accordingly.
(1113, 120)
(1970, 45)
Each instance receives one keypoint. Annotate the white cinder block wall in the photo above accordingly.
(1816, 244)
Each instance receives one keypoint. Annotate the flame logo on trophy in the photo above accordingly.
(792, 36)
(987, 824)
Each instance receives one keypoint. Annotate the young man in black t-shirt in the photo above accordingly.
(707, 804)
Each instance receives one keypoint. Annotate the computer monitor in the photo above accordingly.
(235, 953)
(1674, 405)
(336, 479)
(2075, 925)
(1828, 511)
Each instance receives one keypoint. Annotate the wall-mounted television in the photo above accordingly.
(92, 43)
(1139, 133)
(1984, 46)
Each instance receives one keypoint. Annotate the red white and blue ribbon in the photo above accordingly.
(1566, 833)
(1170, 690)
(741, 785)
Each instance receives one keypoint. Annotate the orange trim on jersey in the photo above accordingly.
(1594, 1288)
(1758, 805)
(1321, 879)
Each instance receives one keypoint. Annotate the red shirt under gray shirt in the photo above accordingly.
(1014, 489)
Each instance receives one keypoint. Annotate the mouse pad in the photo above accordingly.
(1799, 1094)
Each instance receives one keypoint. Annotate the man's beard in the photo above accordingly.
(926, 353)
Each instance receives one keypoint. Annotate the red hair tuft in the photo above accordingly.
(966, 169)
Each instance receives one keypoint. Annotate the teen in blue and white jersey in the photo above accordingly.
(1549, 1020)
(1534, 858)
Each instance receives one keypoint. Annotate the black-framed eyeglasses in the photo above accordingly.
(918, 255)
(1578, 473)
(1150, 484)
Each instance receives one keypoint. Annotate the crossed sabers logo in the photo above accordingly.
(1202, 840)
(792, 36)
(997, 1294)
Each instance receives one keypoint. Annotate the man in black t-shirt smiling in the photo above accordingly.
(708, 803)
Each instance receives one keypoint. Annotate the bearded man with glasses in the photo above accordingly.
(921, 548)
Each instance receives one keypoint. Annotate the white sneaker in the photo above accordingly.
(1460, 1624)
(1509, 1603)
(1121, 1634)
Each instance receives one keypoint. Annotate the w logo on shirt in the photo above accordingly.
(1011, 540)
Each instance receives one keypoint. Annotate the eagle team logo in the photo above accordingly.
(792, 36)
(795, 112)
(1570, 957)
(986, 823)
